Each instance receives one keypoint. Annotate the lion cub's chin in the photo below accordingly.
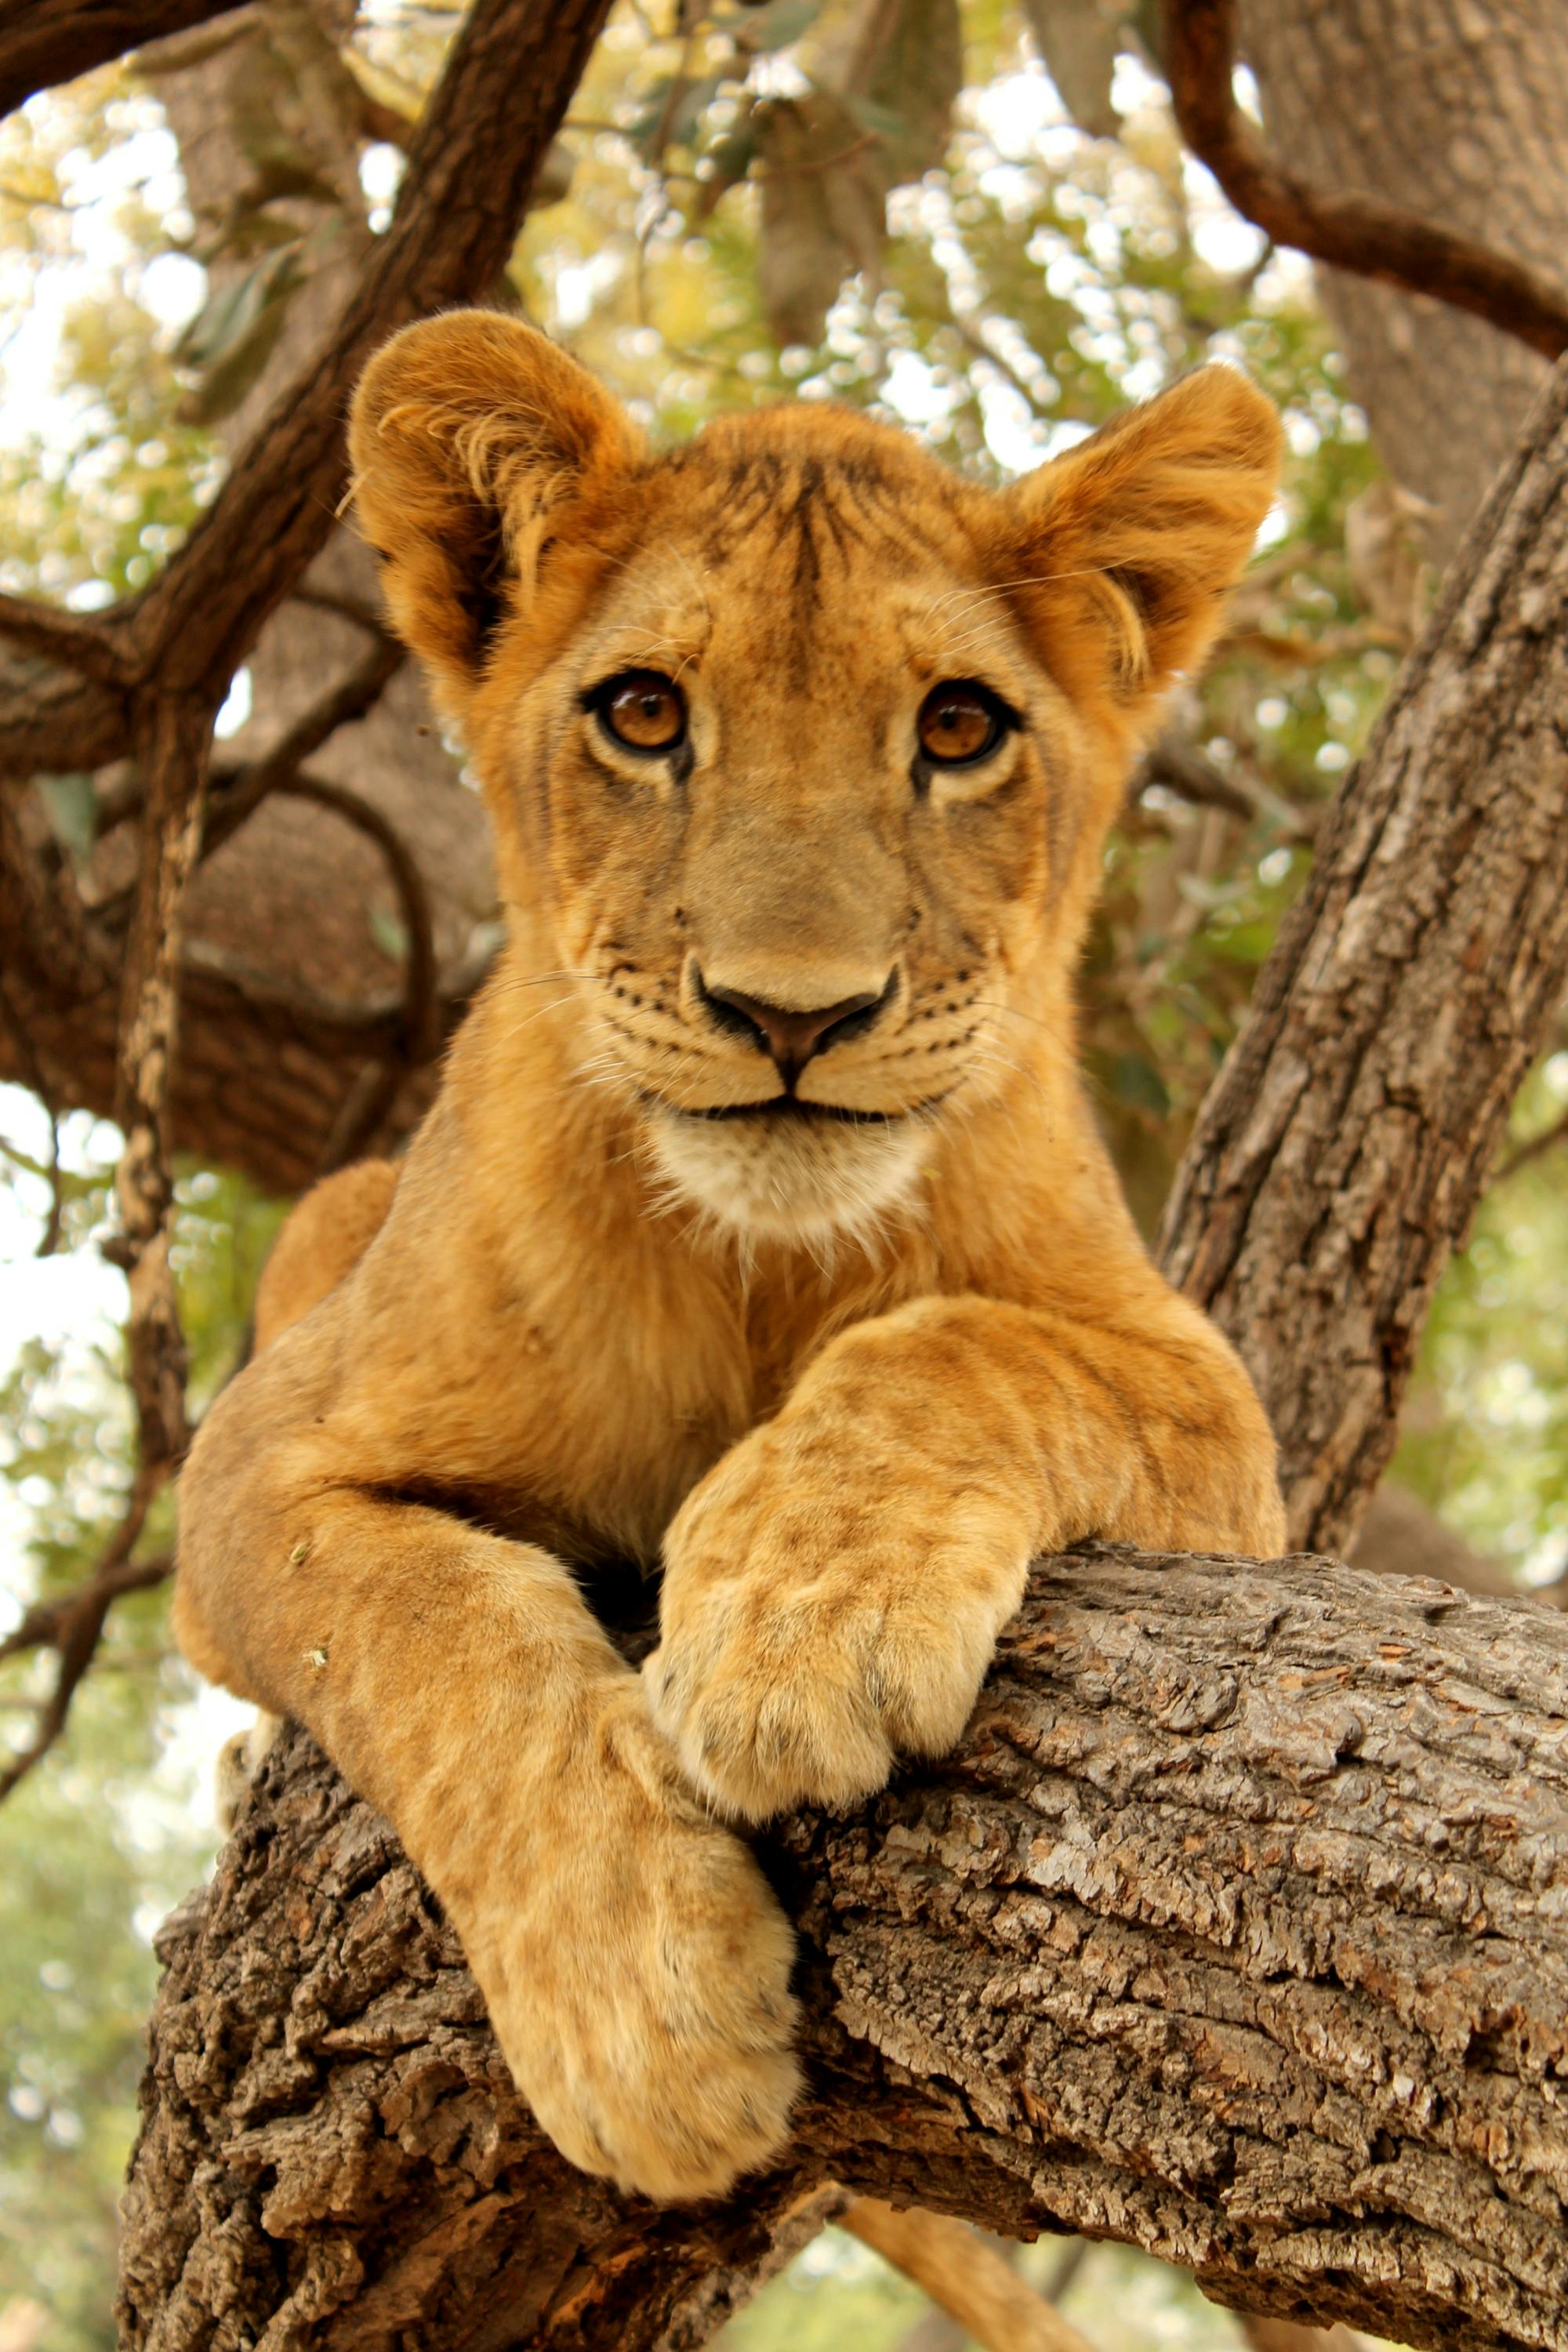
(789, 1179)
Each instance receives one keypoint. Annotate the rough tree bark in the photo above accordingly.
(1272, 2010)
(1341, 1153)
(1237, 1930)
(1457, 111)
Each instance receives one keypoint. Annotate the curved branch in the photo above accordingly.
(1232, 1930)
(1352, 232)
(72, 1626)
(421, 1027)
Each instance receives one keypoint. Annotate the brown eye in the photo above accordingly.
(641, 709)
(961, 723)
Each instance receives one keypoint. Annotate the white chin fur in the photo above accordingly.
(792, 1181)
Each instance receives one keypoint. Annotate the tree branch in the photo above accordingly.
(499, 104)
(72, 1626)
(1535, 1148)
(45, 42)
(1233, 1931)
(965, 2275)
(1354, 232)
(175, 743)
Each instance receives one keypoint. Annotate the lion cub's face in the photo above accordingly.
(789, 789)
(800, 750)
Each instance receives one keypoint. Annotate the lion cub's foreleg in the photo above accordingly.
(633, 1962)
(834, 1588)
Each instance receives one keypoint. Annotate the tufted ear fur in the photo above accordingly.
(469, 436)
(1120, 553)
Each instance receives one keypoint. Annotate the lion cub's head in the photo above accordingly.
(800, 750)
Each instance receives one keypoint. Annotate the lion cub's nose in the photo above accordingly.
(789, 1037)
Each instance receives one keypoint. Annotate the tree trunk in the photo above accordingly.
(1237, 1930)
(1459, 112)
(1341, 1152)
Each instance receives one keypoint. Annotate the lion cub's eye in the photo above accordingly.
(961, 723)
(641, 709)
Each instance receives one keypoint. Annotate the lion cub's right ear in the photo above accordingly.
(469, 434)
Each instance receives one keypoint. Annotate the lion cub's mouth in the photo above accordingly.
(785, 1107)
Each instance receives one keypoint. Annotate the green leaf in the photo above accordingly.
(728, 160)
(672, 115)
(1079, 42)
(390, 933)
(232, 337)
(822, 214)
(777, 27)
(908, 72)
(71, 806)
(227, 318)
(1139, 1085)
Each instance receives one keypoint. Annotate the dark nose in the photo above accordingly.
(792, 1038)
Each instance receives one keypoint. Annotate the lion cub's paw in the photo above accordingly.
(639, 1989)
(815, 1626)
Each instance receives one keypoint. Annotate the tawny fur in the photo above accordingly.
(843, 1379)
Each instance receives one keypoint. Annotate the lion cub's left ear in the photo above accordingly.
(1119, 554)
(470, 437)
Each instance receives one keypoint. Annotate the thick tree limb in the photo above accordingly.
(1341, 1152)
(43, 42)
(1354, 231)
(1235, 1930)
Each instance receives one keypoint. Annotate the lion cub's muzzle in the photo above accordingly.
(795, 1156)
(790, 1035)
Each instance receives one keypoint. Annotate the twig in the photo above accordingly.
(235, 792)
(73, 1626)
(68, 638)
(1536, 1148)
(357, 609)
(974, 342)
(1070, 2259)
(175, 739)
(1351, 232)
(1180, 768)
(421, 1021)
(339, 707)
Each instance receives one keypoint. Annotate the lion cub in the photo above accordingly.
(761, 1228)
